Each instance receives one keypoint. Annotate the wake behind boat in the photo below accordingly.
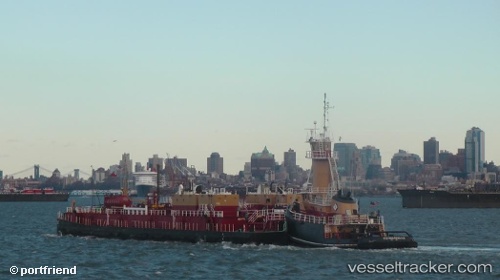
(325, 215)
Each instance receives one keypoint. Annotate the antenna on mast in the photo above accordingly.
(312, 131)
(326, 106)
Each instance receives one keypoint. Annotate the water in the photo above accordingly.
(446, 236)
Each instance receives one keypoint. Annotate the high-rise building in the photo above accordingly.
(263, 165)
(138, 167)
(247, 170)
(290, 158)
(215, 164)
(370, 156)
(346, 156)
(290, 165)
(56, 173)
(474, 150)
(405, 164)
(453, 164)
(154, 162)
(431, 151)
(126, 163)
(36, 170)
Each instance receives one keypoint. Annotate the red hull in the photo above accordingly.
(196, 221)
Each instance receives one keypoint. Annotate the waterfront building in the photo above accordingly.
(430, 174)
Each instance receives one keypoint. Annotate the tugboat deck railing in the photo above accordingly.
(143, 211)
(338, 219)
(269, 214)
(318, 154)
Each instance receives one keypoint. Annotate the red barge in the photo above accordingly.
(33, 195)
(191, 216)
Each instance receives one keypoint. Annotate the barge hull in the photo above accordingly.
(76, 229)
(33, 197)
(445, 199)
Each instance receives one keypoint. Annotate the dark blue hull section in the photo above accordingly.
(15, 197)
(413, 198)
(313, 235)
(274, 237)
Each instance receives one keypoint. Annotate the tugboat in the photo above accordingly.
(326, 215)
(192, 215)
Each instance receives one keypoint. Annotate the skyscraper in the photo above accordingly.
(126, 163)
(431, 151)
(346, 153)
(474, 150)
(290, 158)
(370, 161)
(215, 163)
(262, 165)
(154, 162)
(290, 164)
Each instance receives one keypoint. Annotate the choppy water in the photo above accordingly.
(446, 236)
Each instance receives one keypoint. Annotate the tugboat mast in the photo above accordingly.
(326, 106)
(323, 158)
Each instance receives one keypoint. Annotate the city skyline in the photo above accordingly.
(83, 83)
(154, 158)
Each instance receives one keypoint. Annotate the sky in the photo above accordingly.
(82, 82)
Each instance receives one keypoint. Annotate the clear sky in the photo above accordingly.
(189, 78)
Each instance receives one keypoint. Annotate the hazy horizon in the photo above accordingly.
(188, 79)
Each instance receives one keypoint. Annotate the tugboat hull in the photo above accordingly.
(313, 235)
